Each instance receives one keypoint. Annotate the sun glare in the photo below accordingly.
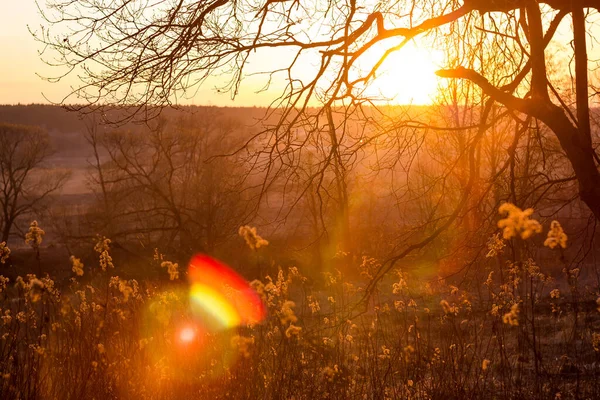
(187, 335)
(407, 76)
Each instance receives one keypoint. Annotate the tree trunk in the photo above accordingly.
(5, 233)
(580, 154)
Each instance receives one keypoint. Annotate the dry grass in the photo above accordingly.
(104, 337)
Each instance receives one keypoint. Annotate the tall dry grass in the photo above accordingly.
(511, 335)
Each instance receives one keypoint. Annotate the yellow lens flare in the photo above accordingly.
(219, 297)
(191, 331)
(210, 304)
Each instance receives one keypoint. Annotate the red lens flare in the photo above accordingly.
(221, 298)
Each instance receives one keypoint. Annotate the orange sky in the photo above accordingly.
(20, 63)
(20, 83)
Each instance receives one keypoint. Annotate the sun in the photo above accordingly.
(407, 76)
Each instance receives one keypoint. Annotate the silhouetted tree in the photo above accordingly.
(168, 184)
(24, 182)
(145, 56)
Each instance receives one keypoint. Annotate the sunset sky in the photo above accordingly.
(21, 65)
(21, 70)
(18, 82)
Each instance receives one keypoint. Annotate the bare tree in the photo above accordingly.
(168, 184)
(24, 184)
(145, 56)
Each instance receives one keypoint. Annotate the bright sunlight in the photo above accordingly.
(407, 76)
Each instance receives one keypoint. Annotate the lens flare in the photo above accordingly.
(187, 335)
(219, 297)
(190, 329)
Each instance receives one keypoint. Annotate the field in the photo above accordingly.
(341, 336)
